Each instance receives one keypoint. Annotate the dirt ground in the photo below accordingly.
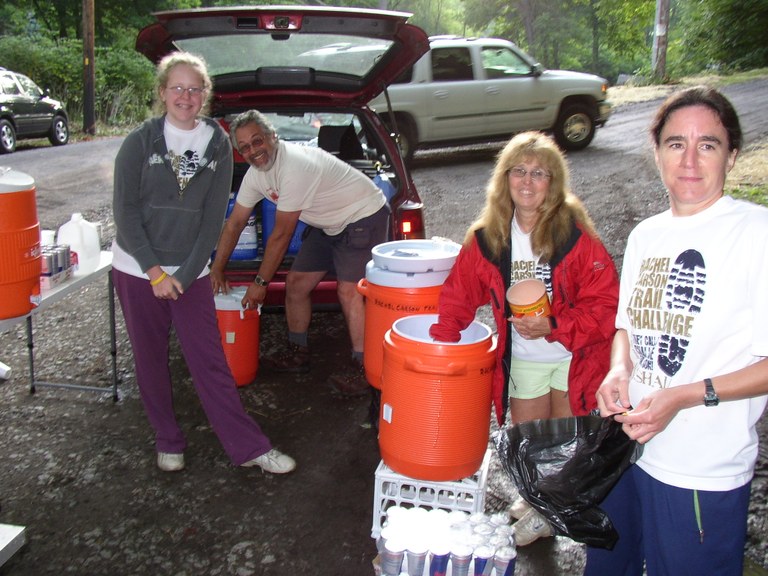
(78, 469)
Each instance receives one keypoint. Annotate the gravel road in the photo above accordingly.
(77, 468)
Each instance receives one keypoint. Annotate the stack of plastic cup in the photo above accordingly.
(483, 560)
(504, 561)
(438, 562)
(416, 556)
(461, 557)
(392, 557)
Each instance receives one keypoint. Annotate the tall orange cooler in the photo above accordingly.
(435, 400)
(20, 263)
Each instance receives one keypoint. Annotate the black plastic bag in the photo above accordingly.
(564, 467)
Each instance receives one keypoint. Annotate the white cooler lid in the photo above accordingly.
(231, 301)
(416, 255)
(14, 181)
(390, 279)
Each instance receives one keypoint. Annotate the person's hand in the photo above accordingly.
(219, 281)
(169, 288)
(613, 393)
(254, 296)
(532, 327)
(651, 416)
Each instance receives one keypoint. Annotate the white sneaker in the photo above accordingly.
(530, 527)
(519, 507)
(273, 461)
(170, 462)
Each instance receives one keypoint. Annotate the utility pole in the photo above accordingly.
(89, 71)
(659, 56)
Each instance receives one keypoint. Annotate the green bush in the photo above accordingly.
(123, 78)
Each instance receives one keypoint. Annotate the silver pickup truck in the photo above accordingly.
(474, 89)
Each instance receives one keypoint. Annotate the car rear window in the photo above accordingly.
(338, 54)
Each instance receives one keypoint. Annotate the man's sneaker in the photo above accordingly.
(290, 358)
(273, 461)
(170, 462)
(519, 507)
(530, 527)
(350, 382)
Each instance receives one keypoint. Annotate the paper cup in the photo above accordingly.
(528, 298)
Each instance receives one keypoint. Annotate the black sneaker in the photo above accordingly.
(290, 358)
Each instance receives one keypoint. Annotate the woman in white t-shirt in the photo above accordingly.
(689, 373)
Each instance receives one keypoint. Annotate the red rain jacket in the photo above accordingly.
(585, 293)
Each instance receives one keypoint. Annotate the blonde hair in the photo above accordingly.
(164, 68)
(556, 214)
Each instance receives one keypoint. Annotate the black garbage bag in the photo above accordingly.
(564, 467)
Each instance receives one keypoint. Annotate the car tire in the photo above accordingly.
(575, 127)
(59, 134)
(406, 136)
(7, 137)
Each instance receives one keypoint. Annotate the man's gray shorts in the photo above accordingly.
(345, 254)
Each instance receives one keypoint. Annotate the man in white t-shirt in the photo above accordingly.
(346, 216)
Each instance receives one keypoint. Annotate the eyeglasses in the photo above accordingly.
(256, 142)
(537, 174)
(191, 91)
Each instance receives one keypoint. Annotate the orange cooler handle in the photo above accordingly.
(449, 369)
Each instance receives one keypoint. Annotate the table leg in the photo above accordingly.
(112, 334)
(31, 349)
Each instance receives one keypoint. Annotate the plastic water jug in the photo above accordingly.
(83, 239)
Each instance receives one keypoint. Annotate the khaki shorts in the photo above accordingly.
(529, 380)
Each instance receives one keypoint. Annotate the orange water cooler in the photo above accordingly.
(20, 264)
(435, 400)
(239, 335)
(404, 278)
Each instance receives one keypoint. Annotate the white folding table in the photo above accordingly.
(50, 297)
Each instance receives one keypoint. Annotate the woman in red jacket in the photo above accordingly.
(532, 226)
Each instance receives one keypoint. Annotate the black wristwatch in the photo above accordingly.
(710, 396)
(259, 281)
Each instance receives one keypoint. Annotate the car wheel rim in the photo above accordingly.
(577, 127)
(6, 138)
(61, 132)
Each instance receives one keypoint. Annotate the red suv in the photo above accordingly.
(265, 58)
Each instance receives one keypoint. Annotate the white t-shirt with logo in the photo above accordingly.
(526, 265)
(694, 301)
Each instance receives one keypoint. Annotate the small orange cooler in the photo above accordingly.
(239, 335)
(20, 264)
(435, 400)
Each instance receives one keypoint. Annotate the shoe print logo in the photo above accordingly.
(684, 292)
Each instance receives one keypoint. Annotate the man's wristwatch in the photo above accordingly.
(710, 396)
(259, 281)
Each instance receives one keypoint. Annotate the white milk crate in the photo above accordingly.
(393, 489)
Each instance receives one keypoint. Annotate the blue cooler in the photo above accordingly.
(268, 210)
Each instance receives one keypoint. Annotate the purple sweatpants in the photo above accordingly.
(193, 316)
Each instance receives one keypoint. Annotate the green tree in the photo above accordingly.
(721, 33)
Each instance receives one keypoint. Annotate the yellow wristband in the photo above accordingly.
(159, 279)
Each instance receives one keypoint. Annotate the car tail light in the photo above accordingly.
(410, 221)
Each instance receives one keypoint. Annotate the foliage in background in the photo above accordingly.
(124, 79)
(606, 37)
